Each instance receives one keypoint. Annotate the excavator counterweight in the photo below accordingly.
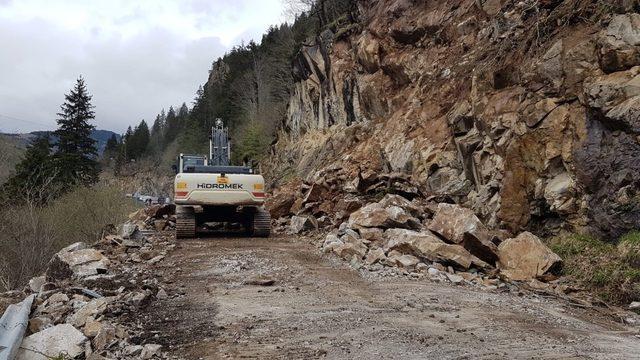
(210, 193)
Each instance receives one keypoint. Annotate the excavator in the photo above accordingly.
(208, 190)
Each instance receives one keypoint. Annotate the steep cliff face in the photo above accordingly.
(528, 112)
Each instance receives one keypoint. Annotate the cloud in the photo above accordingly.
(136, 59)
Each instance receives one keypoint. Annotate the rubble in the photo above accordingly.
(82, 301)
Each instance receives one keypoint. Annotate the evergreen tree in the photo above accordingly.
(76, 151)
(36, 170)
(126, 143)
(111, 148)
(171, 131)
(141, 139)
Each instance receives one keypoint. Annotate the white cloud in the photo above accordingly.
(137, 57)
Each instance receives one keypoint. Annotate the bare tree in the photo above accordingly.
(293, 8)
(26, 241)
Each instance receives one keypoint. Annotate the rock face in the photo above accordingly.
(526, 257)
(540, 138)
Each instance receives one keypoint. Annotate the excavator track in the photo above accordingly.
(261, 224)
(185, 223)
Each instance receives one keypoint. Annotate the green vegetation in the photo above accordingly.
(75, 157)
(43, 174)
(612, 271)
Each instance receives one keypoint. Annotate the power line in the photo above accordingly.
(23, 120)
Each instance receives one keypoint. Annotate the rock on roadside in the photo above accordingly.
(526, 257)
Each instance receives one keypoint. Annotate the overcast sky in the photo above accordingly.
(136, 56)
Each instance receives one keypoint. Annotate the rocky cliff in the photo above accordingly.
(526, 112)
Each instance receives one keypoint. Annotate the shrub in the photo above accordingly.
(30, 234)
(612, 272)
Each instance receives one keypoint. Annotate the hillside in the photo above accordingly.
(11, 150)
(526, 113)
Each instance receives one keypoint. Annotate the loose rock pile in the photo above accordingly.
(156, 217)
(420, 237)
(88, 294)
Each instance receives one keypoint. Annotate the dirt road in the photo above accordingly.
(318, 307)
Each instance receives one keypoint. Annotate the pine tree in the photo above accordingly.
(36, 170)
(126, 143)
(76, 151)
(141, 139)
(111, 148)
(171, 131)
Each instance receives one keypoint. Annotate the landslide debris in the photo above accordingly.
(85, 302)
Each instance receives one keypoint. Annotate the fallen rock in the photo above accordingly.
(378, 216)
(92, 328)
(405, 261)
(36, 283)
(374, 235)
(351, 245)
(399, 201)
(150, 350)
(159, 211)
(315, 193)
(428, 246)
(39, 323)
(79, 263)
(162, 294)
(461, 226)
(526, 257)
(52, 342)
(93, 309)
(375, 255)
(280, 204)
(106, 335)
(300, 224)
(129, 229)
(634, 305)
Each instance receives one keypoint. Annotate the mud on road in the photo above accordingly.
(319, 307)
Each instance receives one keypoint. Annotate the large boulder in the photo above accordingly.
(426, 245)
(377, 215)
(79, 263)
(619, 43)
(525, 257)
(461, 226)
(52, 342)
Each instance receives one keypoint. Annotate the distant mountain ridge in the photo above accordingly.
(100, 136)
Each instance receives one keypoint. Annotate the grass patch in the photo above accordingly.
(611, 271)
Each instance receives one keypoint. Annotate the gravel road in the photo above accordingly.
(219, 306)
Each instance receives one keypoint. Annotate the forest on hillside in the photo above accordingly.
(248, 88)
